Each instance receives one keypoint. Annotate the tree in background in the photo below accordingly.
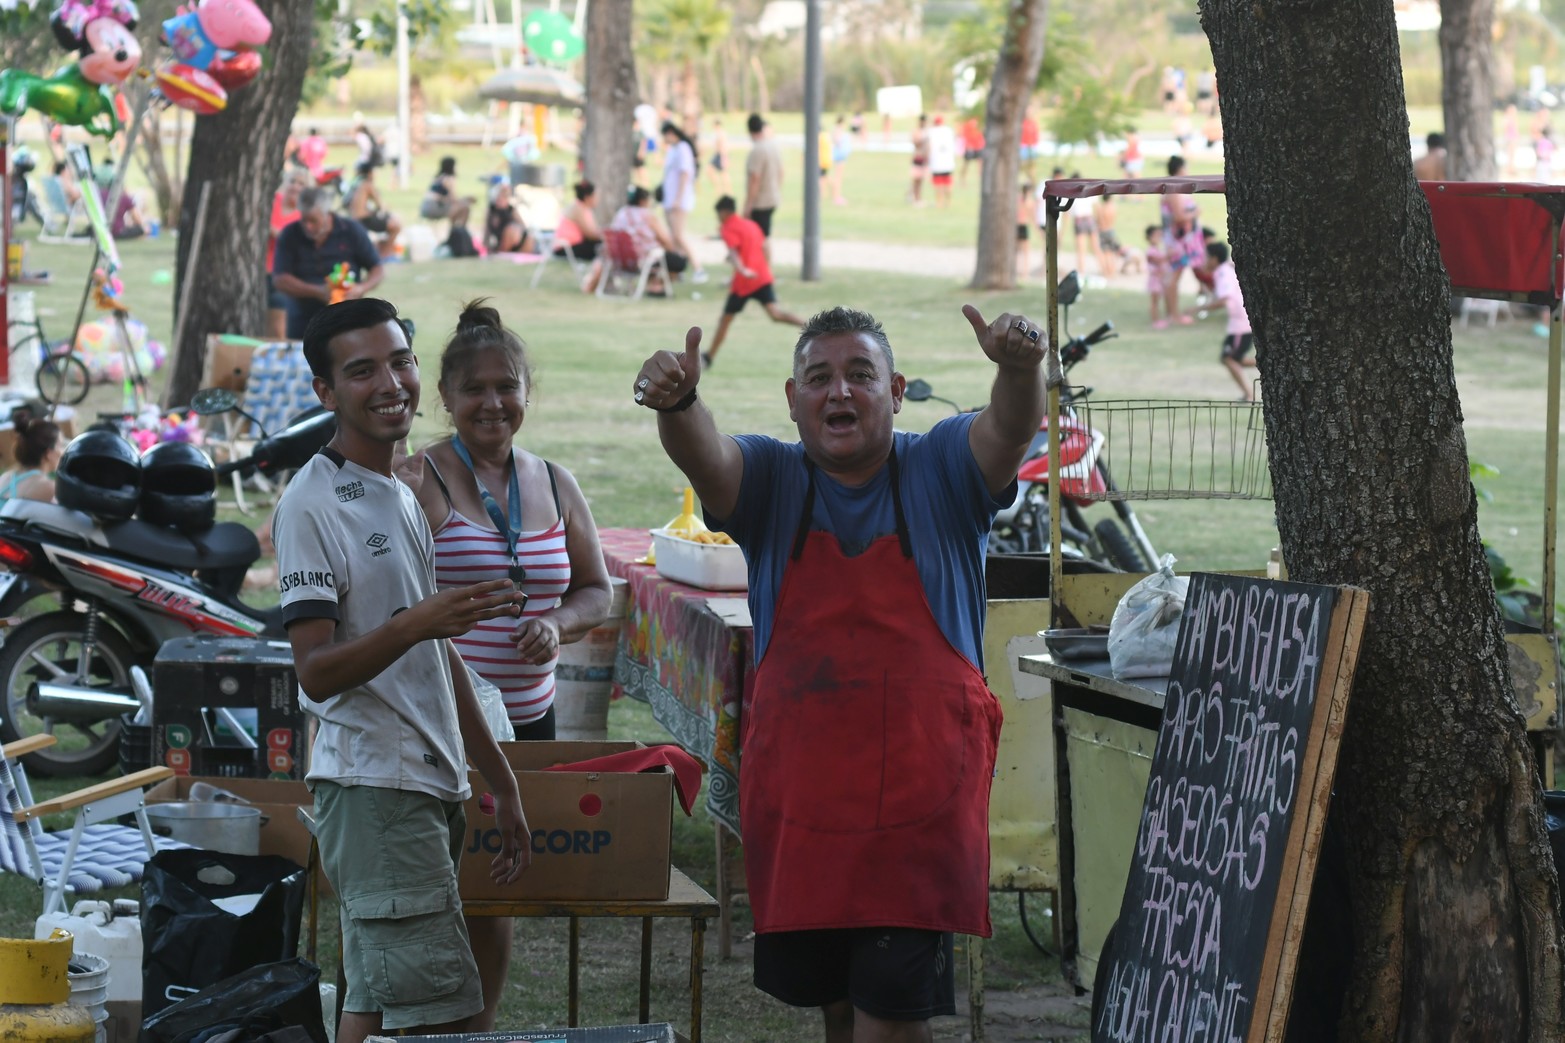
(1089, 111)
(1011, 85)
(607, 144)
(684, 34)
(238, 153)
(1467, 88)
(1452, 900)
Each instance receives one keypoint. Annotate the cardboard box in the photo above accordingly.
(192, 674)
(281, 831)
(595, 836)
(124, 1024)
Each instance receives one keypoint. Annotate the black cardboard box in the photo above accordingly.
(194, 674)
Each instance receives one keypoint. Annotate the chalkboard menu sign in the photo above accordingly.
(1209, 929)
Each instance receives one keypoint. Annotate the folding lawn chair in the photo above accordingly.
(623, 264)
(94, 853)
(565, 235)
(63, 221)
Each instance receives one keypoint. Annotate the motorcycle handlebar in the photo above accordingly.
(1103, 332)
(288, 449)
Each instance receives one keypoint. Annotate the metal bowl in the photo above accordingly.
(1078, 642)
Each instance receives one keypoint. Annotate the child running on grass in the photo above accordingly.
(752, 274)
(1238, 339)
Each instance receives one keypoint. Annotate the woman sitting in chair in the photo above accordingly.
(637, 220)
(504, 230)
(578, 229)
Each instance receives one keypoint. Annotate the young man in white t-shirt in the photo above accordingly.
(397, 719)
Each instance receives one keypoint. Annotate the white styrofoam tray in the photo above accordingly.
(710, 566)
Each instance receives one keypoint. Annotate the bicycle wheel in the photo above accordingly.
(63, 379)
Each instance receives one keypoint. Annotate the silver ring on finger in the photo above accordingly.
(640, 395)
(1019, 326)
(1032, 335)
(641, 385)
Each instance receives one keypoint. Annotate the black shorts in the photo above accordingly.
(973, 153)
(892, 973)
(736, 303)
(276, 300)
(1237, 345)
(1022, 232)
(373, 222)
(541, 730)
(764, 219)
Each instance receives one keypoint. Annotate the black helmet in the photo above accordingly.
(99, 473)
(178, 487)
(24, 161)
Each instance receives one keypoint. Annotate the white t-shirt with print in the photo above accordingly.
(353, 546)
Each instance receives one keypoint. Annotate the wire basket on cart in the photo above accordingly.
(1170, 449)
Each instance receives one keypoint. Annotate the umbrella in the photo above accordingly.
(535, 85)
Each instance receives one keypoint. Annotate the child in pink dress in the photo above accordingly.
(1159, 268)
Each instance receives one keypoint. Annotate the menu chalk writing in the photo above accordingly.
(1209, 925)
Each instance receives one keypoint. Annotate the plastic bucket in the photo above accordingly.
(89, 977)
(584, 676)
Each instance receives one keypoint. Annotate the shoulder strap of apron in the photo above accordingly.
(803, 529)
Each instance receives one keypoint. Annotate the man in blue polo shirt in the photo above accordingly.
(308, 250)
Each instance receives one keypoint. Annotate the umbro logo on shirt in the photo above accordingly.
(377, 543)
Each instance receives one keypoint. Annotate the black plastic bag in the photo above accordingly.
(190, 942)
(245, 1007)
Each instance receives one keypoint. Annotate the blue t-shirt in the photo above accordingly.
(947, 506)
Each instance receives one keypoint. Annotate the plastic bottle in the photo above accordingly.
(1274, 564)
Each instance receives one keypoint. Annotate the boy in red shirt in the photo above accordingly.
(752, 274)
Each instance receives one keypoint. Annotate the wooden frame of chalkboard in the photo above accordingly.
(1208, 934)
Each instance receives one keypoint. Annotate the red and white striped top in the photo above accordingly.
(468, 553)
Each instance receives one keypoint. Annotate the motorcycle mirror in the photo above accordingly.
(918, 390)
(211, 401)
(1068, 291)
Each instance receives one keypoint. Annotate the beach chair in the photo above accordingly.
(623, 265)
(63, 221)
(94, 853)
(566, 235)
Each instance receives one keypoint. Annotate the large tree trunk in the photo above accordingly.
(1014, 75)
(1453, 896)
(611, 103)
(239, 152)
(1467, 88)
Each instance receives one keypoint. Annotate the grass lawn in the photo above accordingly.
(586, 353)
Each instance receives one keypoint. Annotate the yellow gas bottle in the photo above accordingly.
(35, 992)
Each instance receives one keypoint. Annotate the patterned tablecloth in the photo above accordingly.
(690, 664)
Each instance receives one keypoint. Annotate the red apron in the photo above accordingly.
(869, 748)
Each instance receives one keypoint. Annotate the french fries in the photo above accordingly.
(720, 539)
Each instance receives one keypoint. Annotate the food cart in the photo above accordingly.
(1498, 241)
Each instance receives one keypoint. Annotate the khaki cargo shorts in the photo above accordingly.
(391, 856)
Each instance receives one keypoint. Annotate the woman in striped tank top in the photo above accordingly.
(499, 511)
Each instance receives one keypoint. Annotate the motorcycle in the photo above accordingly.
(123, 589)
(1023, 527)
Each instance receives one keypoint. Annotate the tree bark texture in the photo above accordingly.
(1453, 894)
(239, 152)
(611, 103)
(1467, 88)
(1014, 75)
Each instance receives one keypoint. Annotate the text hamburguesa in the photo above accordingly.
(1261, 653)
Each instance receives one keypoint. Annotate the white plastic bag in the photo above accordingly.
(493, 705)
(1146, 622)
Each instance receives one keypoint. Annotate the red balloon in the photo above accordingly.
(192, 89)
(237, 71)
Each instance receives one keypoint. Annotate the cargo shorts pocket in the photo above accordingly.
(411, 946)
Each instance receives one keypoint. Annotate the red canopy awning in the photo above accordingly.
(1497, 239)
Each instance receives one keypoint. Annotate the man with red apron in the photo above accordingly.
(870, 735)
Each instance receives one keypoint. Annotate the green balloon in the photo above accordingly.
(552, 37)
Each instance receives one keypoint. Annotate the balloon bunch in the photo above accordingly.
(213, 43)
(81, 94)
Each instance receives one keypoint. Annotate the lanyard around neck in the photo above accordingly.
(509, 531)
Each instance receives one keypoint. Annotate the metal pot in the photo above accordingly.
(234, 829)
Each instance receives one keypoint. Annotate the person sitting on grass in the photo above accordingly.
(362, 203)
(504, 230)
(752, 279)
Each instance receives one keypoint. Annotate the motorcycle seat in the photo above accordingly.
(225, 545)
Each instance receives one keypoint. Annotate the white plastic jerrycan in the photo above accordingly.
(111, 930)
